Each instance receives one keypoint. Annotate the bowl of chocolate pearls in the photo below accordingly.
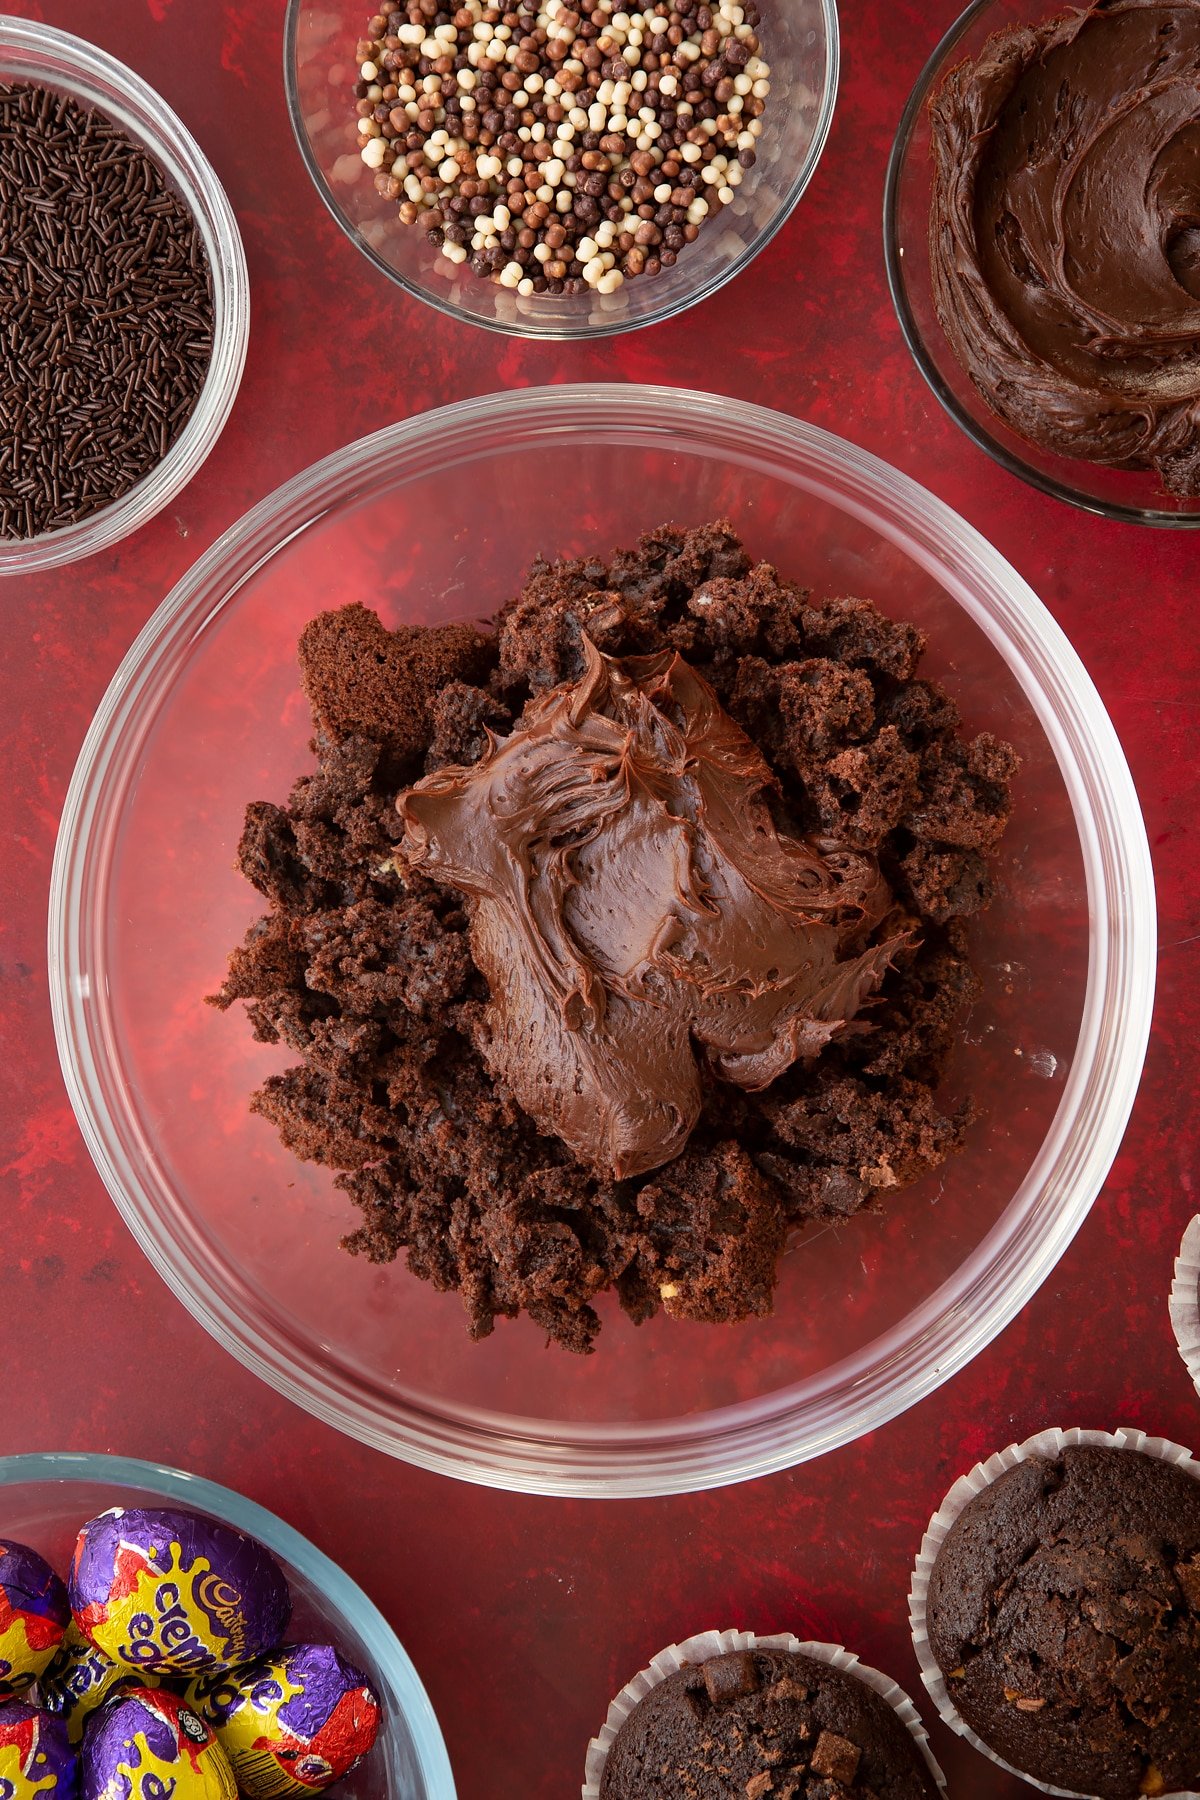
(126, 310)
(555, 172)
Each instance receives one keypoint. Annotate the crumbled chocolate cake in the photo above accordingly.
(1064, 1612)
(363, 964)
(764, 1725)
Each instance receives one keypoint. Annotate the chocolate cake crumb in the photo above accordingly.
(365, 681)
(363, 965)
(768, 1724)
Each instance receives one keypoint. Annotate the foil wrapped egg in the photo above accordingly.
(34, 1615)
(148, 1744)
(36, 1760)
(172, 1593)
(292, 1722)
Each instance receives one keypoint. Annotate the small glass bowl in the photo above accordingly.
(45, 1498)
(1134, 495)
(800, 41)
(42, 56)
(439, 518)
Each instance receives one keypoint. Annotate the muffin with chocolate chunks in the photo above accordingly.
(1064, 1614)
(764, 1725)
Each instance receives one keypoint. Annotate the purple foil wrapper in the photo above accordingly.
(175, 1593)
(149, 1741)
(36, 1758)
(293, 1721)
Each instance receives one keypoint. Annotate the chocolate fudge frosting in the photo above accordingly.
(636, 909)
(1065, 232)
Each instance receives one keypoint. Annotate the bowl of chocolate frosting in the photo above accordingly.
(1042, 236)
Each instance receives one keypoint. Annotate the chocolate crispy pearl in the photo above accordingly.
(1064, 1611)
(764, 1725)
(364, 970)
(561, 149)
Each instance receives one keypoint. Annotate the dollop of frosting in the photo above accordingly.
(1065, 231)
(637, 913)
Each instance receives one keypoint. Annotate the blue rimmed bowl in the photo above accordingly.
(44, 1499)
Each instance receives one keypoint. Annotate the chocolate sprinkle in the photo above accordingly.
(106, 312)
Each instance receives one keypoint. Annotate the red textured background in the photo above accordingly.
(566, 1601)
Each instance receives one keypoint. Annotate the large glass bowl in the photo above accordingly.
(30, 52)
(44, 1499)
(437, 518)
(800, 41)
(1135, 495)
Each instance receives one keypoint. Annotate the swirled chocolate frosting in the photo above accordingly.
(636, 910)
(1065, 232)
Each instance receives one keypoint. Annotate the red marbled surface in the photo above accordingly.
(524, 1615)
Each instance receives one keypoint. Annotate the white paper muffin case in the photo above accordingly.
(1185, 1301)
(707, 1644)
(1048, 1444)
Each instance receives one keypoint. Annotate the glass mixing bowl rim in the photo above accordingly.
(749, 1438)
(180, 1488)
(163, 132)
(897, 281)
(567, 331)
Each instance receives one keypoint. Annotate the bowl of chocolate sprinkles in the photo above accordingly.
(557, 171)
(124, 300)
(429, 524)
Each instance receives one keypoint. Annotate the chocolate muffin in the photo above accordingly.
(619, 941)
(764, 1725)
(1064, 1614)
